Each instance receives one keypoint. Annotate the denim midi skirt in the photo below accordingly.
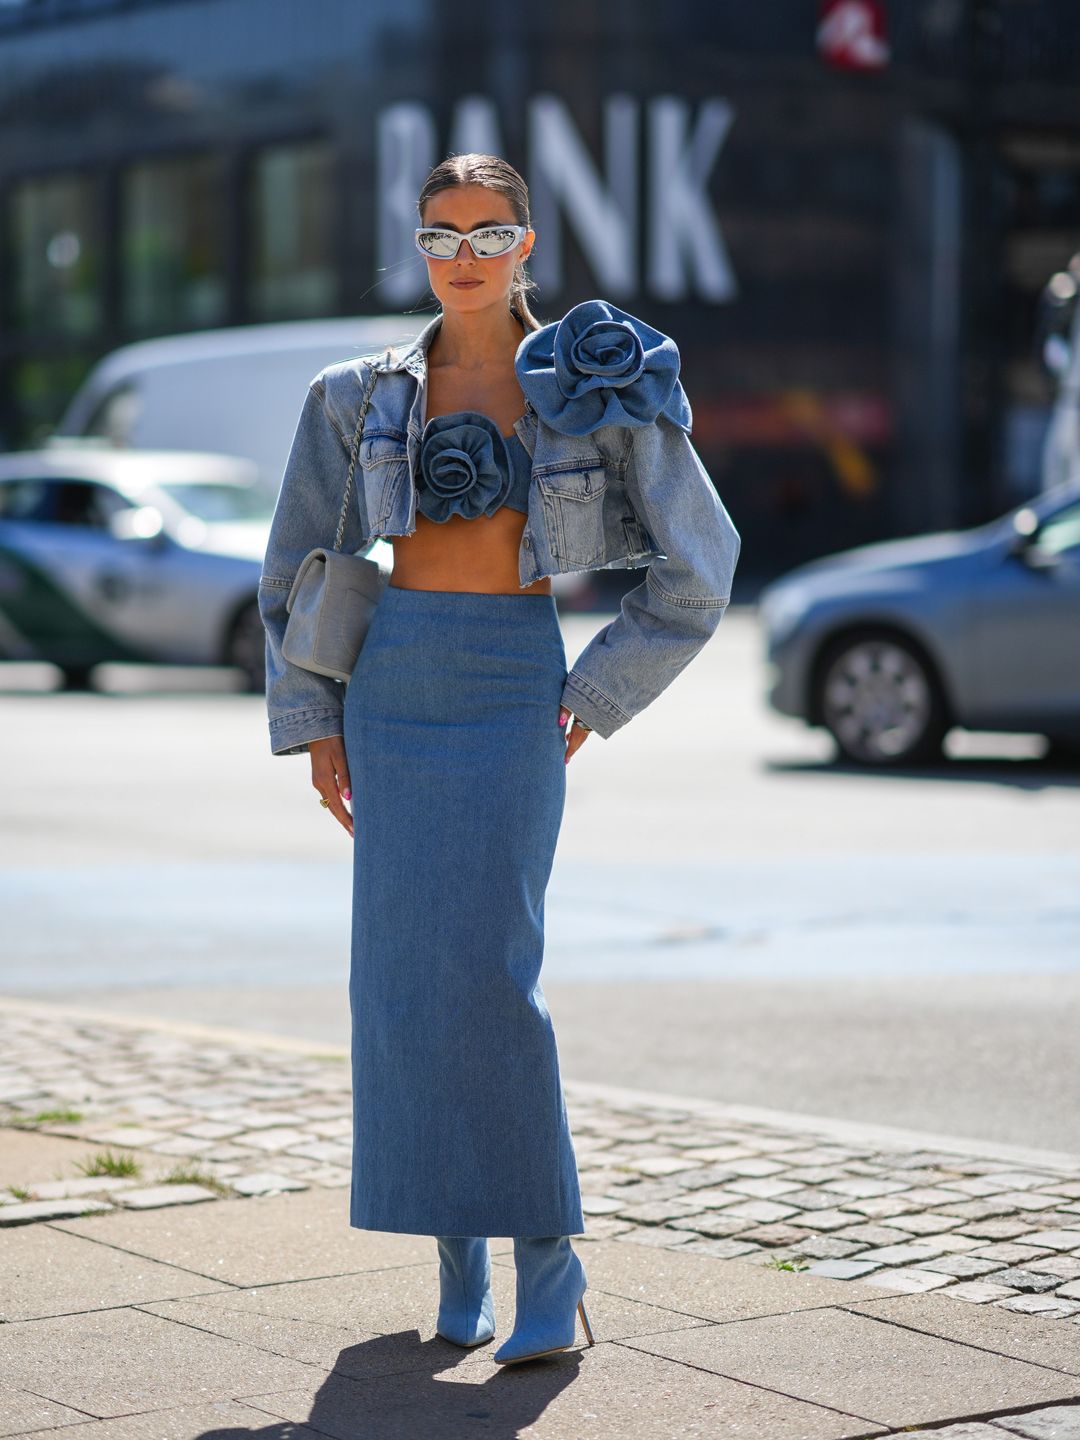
(458, 787)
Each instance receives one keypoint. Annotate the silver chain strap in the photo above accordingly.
(355, 450)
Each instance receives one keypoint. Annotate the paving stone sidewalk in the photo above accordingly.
(767, 1280)
(203, 1119)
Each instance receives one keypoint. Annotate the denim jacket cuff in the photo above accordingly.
(593, 706)
(291, 733)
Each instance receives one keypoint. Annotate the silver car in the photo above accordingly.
(131, 555)
(890, 645)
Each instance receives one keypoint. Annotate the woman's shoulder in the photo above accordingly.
(343, 384)
(346, 381)
(600, 365)
(346, 373)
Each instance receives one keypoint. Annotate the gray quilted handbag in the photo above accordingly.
(333, 596)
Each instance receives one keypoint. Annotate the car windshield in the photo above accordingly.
(216, 502)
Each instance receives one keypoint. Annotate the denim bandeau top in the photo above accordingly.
(469, 468)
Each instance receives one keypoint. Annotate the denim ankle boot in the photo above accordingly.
(466, 1304)
(550, 1286)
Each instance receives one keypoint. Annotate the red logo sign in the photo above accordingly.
(851, 34)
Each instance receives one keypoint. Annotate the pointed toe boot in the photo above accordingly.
(466, 1304)
(551, 1286)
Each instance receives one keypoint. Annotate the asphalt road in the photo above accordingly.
(731, 916)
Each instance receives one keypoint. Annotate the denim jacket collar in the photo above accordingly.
(412, 358)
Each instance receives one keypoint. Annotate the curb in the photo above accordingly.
(887, 1136)
(852, 1131)
(257, 1039)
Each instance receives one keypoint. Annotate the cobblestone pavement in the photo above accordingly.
(205, 1118)
(1054, 1422)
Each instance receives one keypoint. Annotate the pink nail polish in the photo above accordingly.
(347, 794)
(562, 719)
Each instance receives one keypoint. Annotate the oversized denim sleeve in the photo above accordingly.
(663, 622)
(302, 706)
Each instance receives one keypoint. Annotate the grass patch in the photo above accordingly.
(798, 1263)
(106, 1163)
(20, 1192)
(192, 1175)
(45, 1117)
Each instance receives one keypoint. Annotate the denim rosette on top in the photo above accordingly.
(464, 466)
(600, 366)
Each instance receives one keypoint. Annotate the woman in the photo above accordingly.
(456, 725)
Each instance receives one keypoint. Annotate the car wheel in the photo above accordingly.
(76, 677)
(1063, 750)
(880, 700)
(246, 646)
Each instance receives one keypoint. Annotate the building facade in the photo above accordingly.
(845, 215)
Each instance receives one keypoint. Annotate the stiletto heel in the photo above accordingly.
(585, 1322)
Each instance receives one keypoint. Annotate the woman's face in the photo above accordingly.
(464, 208)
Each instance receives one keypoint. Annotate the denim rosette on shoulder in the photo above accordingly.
(600, 366)
(464, 465)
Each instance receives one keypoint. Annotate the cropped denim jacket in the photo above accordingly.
(616, 483)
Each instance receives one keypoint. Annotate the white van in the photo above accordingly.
(236, 391)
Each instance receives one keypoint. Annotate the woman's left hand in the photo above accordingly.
(575, 735)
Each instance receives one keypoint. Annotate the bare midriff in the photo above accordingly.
(458, 554)
(478, 554)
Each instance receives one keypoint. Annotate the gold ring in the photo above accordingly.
(325, 802)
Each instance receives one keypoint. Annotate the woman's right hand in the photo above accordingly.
(330, 776)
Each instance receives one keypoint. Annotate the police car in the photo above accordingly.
(131, 555)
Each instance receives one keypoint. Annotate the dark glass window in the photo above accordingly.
(1038, 197)
(174, 244)
(82, 502)
(60, 502)
(24, 500)
(291, 271)
(55, 229)
(39, 390)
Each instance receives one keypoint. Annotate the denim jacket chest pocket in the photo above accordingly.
(572, 495)
(384, 461)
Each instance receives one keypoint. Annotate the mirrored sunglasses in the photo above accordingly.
(487, 242)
